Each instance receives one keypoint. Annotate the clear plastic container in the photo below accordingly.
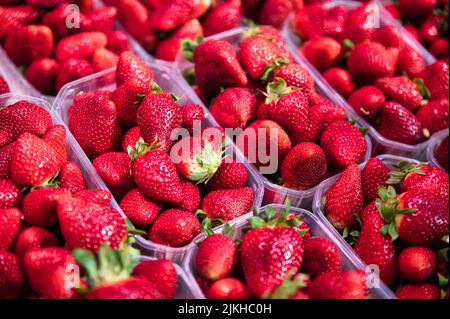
(169, 81)
(381, 145)
(318, 229)
(434, 143)
(276, 193)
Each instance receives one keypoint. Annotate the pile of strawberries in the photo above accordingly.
(426, 21)
(37, 38)
(383, 79)
(301, 267)
(397, 219)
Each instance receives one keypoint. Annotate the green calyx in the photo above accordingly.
(272, 67)
(348, 44)
(252, 30)
(208, 224)
(188, 47)
(51, 182)
(108, 266)
(189, 75)
(133, 231)
(424, 91)
(405, 168)
(276, 89)
(289, 287)
(141, 148)
(207, 162)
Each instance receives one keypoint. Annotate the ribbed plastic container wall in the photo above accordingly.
(434, 143)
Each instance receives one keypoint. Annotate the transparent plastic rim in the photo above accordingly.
(434, 143)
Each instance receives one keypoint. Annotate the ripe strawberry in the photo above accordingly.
(71, 177)
(413, 31)
(250, 8)
(39, 206)
(228, 288)
(361, 23)
(97, 137)
(96, 196)
(434, 115)
(374, 174)
(162, 273)
(4, 88)
(42, 74)
(297, 76)
(34, 237)
(369, 61)
(341, 80)
(174, 228)
(322, 52)
(10, 194)
(210, 78)
(229, 175)
(344, 200)
(373, 247)
(12, 278)
(103, 59)
(418, 291)
(56, 137)
(273, 35)
(441, 154)
(228, 204)
(130, 288)
(417, 263)
(429, 28)
(9, 226)
(22, 117)
(56, 20)
(439, 48)
(16, 16)
(141, 210)
(103, 19)
(82, 222)
(115, 170)
(416, 10)
(367, 101)
(117, 41)
(229, 13)
(80, 46)
(436, 80)
(410, 62)
(401, 90)
(158, 116)
(191, 197)
(193, 116)
(130, 66)
(5, 158)
(304, 166)
(389, 36)
(33, 161)
(275, 12)
(321, 255)
(131, 138)
(399, 124)
(71, 70)
(45, 3)
(339, 285)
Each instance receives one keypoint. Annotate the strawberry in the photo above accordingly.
(14, 17)
(56, 20)
(117, 41)
(401, 90)
(103, 19)
(96, 196)
(33, 161)
(344, 200)
(399, 124)
(322, 52)
(42, 74)
(174, 228)
(56, 137)
(339, 285)
(270, 251)
(369, 61)
(71, 70)
(429, 28)
(131, 288)
(250, 8)
(9, 226)
(217, 255)
(234, 107)
(418, 291)
(374, 174)
(34, 237)
(210, 78)
(321, 255)
(273, 35)
(297, 76)
(439, 48)
(127, 98)
(367, 101)
(192, 197)
(410, 62)
(12, 278)
(162, 273)
(141, 211)
(361, 23)
(158, 116)
(104, 134)
(228, 204)
(343, 144)
(434, 115)
(229, 13)
(4, 88)
(45, 3)
(39, 206)
(417, 263)
(80, 46)
(10, 194)
(103, 59)
(22, 117)
(304, 166)
(275, 12)
(130, 66)
(193, 116)
(413, 31)
(441, 154)
(229, 175)
(291, 288)
(115, 170)
(389, 36)
(5, 158)
(436, 80)
(373, 247)
(416, 10)
(82, 222)
(228, 288)
(341, 80)
(71, 177)
(131, 138)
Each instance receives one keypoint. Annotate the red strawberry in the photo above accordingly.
(401, 90)
(304, 166)
(193, 116)
(374, 174)
(4, 88)
(71, 177)
(45, 3)
(14, 17)
(273, 35)
(56, 137)
(228, 288)
(10, 194)
(131, 288)
(229, 13)
(322, 52)
(33, 161)
(97, 137)
(344, 200)
(174, 13)
(115, 170)
(369, 61)
(42, 74)
(436, 77)
(275, 12)
(321, 255)
(250, 8)
(228, 176)
(80, 46)
(162, 273)
(389, 36)
(34, 237)
(130, 66)
(417, 263)
(439, 48)
(5, 158)
(429, 28)
(191, 197)
(441, 154)
(410, 62)
(174, 228)
(131, 138)
(297, 76)
(103, 59)
(82, 222)
(361, 23)
(39, 206)
(22, 117)
(341, 80)
(9, 226)
(117, 41)
(413, 31)
(434, 115)
(71, 70)
(400, 124)
(56, 20)
(141, 210)
(228, 204)
(12, 278)
(418, 291)
(339, 285)
(96, 196)
(416, 10)
(103, 19)
(367, 101)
